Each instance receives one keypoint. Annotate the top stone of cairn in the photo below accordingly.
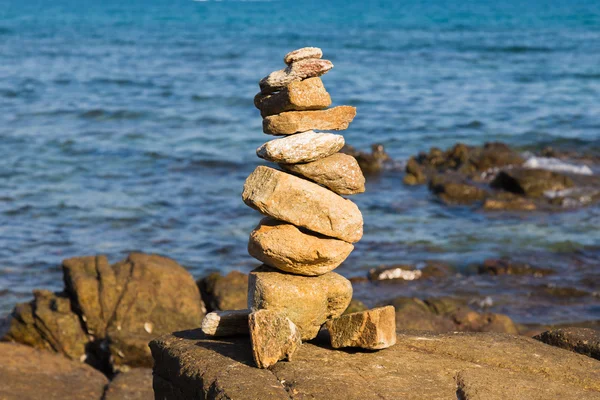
(302, 54)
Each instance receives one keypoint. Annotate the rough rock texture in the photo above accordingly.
(339, 172)
(229, 292)
(302, 54)
(425, 366)
(308, 301)
(135, 384)
(301, 148)
(30, 374)
(580, 340)
(305, 204)
(287, 248)
(226, 323)
(273, 336)
(372, 329)
(288, 123)
(455, 190)
(297, 71)
(309, 94)
(531, 182)
(107, 315)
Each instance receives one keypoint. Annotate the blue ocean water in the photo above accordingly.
(130, 126)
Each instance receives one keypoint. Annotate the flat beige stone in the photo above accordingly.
(299, 70)
(290, 122)
(371, 329)
(309, 94)
(226, 323)
(285, 247)
(308, 301)
(273, 336)
(301, 148)
(302, 203)
(339, 172)
(302, 54)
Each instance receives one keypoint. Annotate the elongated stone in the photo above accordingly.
(226, 323)
(302, 203)
(309, 94)
(300, 70)
(288, 123)
(301, 148)
(338, 172)
(302, 54)
(274, 337)
(287, 248)
(372, 329)
(307, 301)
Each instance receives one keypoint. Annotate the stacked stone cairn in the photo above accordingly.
(309, 229)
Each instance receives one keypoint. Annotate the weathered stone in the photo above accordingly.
(301, 148)
(370, 163)
(226, 323)
(29, 374)
(229, 292)
(288, 123)
(580, 340)
(501, 203)
(135, 384)
(302, 203)
(372, 329)
(274, 337)
(309, 94)
(297, 71)
(531, 182)
(302, 54)
(493, 266)
(308, 301)
(454, 190)
(288, 248)
(421, 366)
(339, 172)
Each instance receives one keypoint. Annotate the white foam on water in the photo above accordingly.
(554, 164)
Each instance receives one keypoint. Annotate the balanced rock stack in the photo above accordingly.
(309, 228)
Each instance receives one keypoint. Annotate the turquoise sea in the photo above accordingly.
(130, 126)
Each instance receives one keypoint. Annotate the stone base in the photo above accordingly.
(471, 366)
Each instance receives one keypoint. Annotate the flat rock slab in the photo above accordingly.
(309, 94)
(302, 54)
(30, 374)
(474, 366)
(135, 384)
(301, 148)
(288, 123)
(370, 329)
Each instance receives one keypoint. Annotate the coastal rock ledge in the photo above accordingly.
(471, 366)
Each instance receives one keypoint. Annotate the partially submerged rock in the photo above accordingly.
(297, 71)
(493, 266)
(273, 336)
(454, 190)
(301, 148)
(370, 163)
(339, 172)
(309, 94)
(531, 182)
(289, 249)
(226, 323)
(305, 204)
(395, 272)
(308, 302)
(580, 340)
(288, 123)
(372, 329)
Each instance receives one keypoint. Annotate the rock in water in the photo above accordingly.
(274, 337)
(531, 182)
(309, 94)
(308, 301)
(226, 323)
(301, 148)
(302, 54)
(338, 172)
(372, 329)
(287, 248)
(305, 204)
(297, 71)
(288, 123)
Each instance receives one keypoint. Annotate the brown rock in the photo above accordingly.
(355, 306)
(454, 190)
(287, 248)
(229, 292)
(372, 329)
(301, 148)
(515, 204)
(493, 266)
(302, 54)
(338, 172)
(580, 340)
(274, 337)
(297, 71)
(30, 374)
(309, 94)
(308, 301)
(135, 384)
(226, 323)
(531, 182)
(302, 203)
(370, 163)
(288, 123)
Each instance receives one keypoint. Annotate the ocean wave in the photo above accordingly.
(101, 114)
(554, 164)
